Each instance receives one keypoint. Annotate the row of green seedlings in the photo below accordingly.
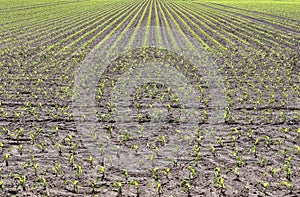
(41, 180)
(245, 96)
(56, 46)
(29, 112)
(268, 19)
(137, 27)
(202, 22)
(192, 26)
(286, 167)
(220, 18)
(266, 32)
(116, 25)
(62, 24)
(69, 42)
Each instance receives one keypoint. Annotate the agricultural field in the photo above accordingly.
(149, 98)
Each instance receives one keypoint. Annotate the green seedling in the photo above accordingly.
(101, 170)
(94, 184)
(192, 174)
(35, 168)
(135, 147)
(41, 146)
(166, 172)
(6, 157)
(265, 185)
(186, 187)
(159, 188)
(298, 149)
(213, 150)
(168, 107)
(71, 159)
(236, 172)
(274, 171)
(20, 148)
(91, 160)
(22, 181)
(126, 175)
(1, 184)
(32, 136)
(220, 183)
(79, 170)
(1, 147)
(267, 138)
(220, 141)
(175, 163)
(288, 185)
(40, 181)
(217, 171)
(136, 185)
(74, 183)
(57, 169)
(197, 158)
(118, 185)
(262, 161)
(288, 173)
(155, 175)
(163, 139)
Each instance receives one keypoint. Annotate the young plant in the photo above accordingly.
(35, 168)
(267, 138)
(59, 146)
(79, 170)
(94, 184)
(262, 161)
(57, 169)
(1, 184)
(288, 185)
(159, 188)
(71, 159)
(265, 185)
(274, 171)
(101, 169)
(40, 181)
(74, 183)
(118, 185)
(254, 148)
(6, 157)
(175, 163)
(236, 172)
(166, 172)
(288, 173)
(20, 148)
(213, 149)
(136, 185)
(155, 175)
(22, 181)
(135, 147)
(126, 175)
(220, 141)
(41, 146)
(186, 187)
(220, 183)
(1, 147)
(91, 160)
(192, 174)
